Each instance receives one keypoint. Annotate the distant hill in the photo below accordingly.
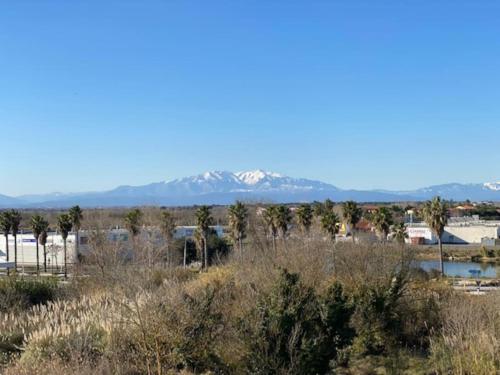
(222, 187)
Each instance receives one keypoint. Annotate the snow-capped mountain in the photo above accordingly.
(226, 182)
(223, 187)
(495, 186)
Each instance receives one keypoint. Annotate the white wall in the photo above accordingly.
(456, 234)
(26, 249)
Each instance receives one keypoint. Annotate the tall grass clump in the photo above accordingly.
(469, 341)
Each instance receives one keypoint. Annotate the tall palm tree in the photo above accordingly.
(269, 216)
(133, 224)
(321, 208)
(133, 221)
(37, 227)
(283, 219)
(238, 222)
(399, 233)
(203, 221)
(44, 228)
(76, 215)
(304, 217)
(15, 223)
(330, 224)
(5, 225)
(382, 220)
(167, 226)
(352, 215)
(64, 224)
(436, 216)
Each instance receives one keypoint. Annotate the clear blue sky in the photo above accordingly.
(361, 94)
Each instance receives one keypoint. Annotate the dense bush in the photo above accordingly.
(19, 294)
(295, 331)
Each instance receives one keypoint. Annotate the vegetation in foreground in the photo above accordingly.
(260, 313)
(272, 299)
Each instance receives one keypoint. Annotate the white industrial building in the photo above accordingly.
(26, 250)
(464, 230)
(26, 245)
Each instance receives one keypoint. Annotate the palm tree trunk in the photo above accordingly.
(274, 243)
(352, 234)
(205, 250)
(15, 252)
(7, 251)
(240, 241)
(185, 251)
(65, 261)
(77, 235)
(44, 258)
(333, 256)
(37, 258)
(441, 265)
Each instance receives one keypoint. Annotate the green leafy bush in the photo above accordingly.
(295, 331)
(18, 294)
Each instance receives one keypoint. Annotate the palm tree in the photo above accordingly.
(203, 221)
(44, 228)
(37, 227)
(15, 222)
(238, 222)
(132, 223)
(64, 224)
(352, 215)
(321, 208)
(435, 215)
(330, 224)
(399, 233)
(382, 220)
(283, 219)
(5, 225)
(305, 217)
(269, 216)
(167, 227)
(76, 215)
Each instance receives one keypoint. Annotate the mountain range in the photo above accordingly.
(222, 187)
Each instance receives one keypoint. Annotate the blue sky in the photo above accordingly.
(361, 94)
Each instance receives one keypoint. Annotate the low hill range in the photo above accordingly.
(222, 187)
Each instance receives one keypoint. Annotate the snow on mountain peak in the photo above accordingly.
(254, 177)
(492, 186)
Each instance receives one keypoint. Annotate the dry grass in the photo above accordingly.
(146, 318)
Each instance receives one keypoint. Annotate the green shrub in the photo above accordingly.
(294, 331)
(18, 294)
(378, 319)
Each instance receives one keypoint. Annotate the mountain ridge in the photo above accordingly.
(223, 187)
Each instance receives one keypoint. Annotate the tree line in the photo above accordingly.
(278, 220)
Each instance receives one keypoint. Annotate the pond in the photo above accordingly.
(461, 269)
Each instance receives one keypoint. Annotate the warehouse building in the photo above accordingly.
(26, 244)
(460, 231)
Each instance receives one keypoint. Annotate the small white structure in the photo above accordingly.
(189, 231)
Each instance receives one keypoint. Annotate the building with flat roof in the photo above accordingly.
(460, 231)
(26, 244)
